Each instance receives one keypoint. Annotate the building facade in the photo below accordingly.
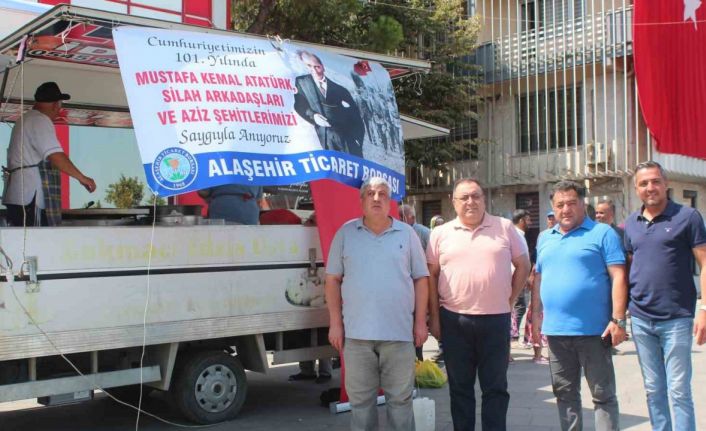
(559, 101)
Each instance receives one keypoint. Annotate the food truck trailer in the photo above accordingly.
(79, 302)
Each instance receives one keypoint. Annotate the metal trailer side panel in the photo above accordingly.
(206, 282)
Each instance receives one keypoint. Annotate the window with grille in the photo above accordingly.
(536, 14)
(551, 117)
(532, 12)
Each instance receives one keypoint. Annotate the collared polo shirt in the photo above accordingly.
(475, 276)
(661, 273)
(576, 287)
(378, 279)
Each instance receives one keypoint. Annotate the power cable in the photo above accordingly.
(147, 303)
(10, 279)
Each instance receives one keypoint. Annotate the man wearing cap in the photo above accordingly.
(551, 219)
(33, 189)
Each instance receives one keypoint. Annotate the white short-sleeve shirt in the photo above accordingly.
(39, 143)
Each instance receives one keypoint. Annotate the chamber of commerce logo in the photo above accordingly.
(174, 168)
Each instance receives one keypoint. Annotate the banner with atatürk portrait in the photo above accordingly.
(211, 109)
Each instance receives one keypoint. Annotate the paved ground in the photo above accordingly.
(273, 403)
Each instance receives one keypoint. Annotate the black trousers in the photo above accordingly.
(477, 345)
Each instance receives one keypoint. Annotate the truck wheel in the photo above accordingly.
(210, 387)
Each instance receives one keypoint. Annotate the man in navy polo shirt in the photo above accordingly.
(661, 238)
(582, 287)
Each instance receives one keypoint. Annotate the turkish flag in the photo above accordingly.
(670, 69)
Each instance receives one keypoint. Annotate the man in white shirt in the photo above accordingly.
(33, 158)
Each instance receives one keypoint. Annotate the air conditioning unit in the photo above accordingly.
(599, 156)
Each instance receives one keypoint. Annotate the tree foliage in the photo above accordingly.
(150, 200)
(385, 32)
(127, 192)
(332, 22)
(435, 30)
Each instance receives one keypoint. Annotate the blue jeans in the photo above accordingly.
(664, 351)
(477, 344)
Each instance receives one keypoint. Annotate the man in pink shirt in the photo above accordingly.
(471, 292)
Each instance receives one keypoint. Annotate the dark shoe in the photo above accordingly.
(323, 378)
(331, 395)
(300, 376)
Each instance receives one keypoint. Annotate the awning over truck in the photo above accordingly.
(73, 45)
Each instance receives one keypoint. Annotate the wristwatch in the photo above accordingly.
(622, 323)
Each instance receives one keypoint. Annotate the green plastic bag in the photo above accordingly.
(429, 375)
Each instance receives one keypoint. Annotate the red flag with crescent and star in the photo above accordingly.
(670, 69)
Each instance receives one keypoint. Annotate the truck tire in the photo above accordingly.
(210, 387)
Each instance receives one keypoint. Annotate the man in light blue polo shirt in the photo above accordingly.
(581, 286)
(377, 292)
